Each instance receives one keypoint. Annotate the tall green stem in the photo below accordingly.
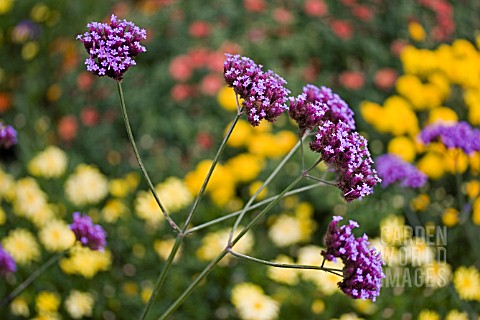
(139, 159)
(31, 278)
(222, 254)
(181, 235)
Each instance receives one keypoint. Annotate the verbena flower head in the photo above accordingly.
(263, 93)
(393, 169)
(89, 234)
(307, 114)
(8, 136)
(362, 271)
(347, 153)
(459, 135)
(7, 264)
(112, 47)
(338, 108)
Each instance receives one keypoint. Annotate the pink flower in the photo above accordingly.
(210, 84)
(254, 5)
(180, 68)
(181, 92)
(363, 13)
(385, 78)
(199, 57)
(352, 80)
(89, 116)
(67, 128)
(282, 15)
(199, 29)
(316, 8)
(342, 29)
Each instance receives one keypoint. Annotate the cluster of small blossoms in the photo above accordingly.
(459, 135)
(8, 136)
(7, 264)
(307, 114)
(338, 108)
(263, 93)
(347, 152)
(89, 234)
(362, 271)
(393, 169)
(112, 47)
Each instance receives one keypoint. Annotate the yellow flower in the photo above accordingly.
(253, 188)
(396, 108)
(442, 114)
(19, 307)
(29, 198)
(475, 163)
(283, 275)
(325, 281)
(365, 306)
(476, 212)
(22, 246)
(47, 302)
(467, 283)
(79, 304)
(5, 6)
(87, 185)
(416, 31)
(404, 147)
(418, 252)
(113, 209)
(50, 163)
(3, 216)
(473, 189)
(118, 187)
(456, 160)
(56, 236)
(241, 134)
(252, 304)
(318, 306)
(287, 230)
(393, 231)
(226, 98)
(450, 217)
(146, 207)
(174, 194)
(428, 315)
(420, 202)
(456, 315)
(432, 164)
(373, 113)
(7, 186)
(437, 274)
(164, 247)
(86, 262)
(245, 167)
(214, 242)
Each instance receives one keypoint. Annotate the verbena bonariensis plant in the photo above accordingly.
(319, 113)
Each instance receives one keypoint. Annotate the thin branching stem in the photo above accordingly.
(139, 159)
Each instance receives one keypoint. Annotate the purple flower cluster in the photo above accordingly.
(8, 136)
(347, 152)
(393, 169)
(307, 114)
(7, 264)
(89, 234)
(263, 93)
(112, 48)
(362, 271)
(338, 109)
(459, 135)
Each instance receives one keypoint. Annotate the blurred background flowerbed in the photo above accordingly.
(400, 65)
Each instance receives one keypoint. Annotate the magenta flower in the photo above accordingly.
(89, 234)
(7, 264)
(307, 114)
(393, 169)
(8, 136)
(112, 47)
(362, 271)
(459, 135)
(347, 153)
(263, 93)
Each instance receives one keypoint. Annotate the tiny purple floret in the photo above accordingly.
(7, 264)
(362, 271)
(89, 234)
(112, 47)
